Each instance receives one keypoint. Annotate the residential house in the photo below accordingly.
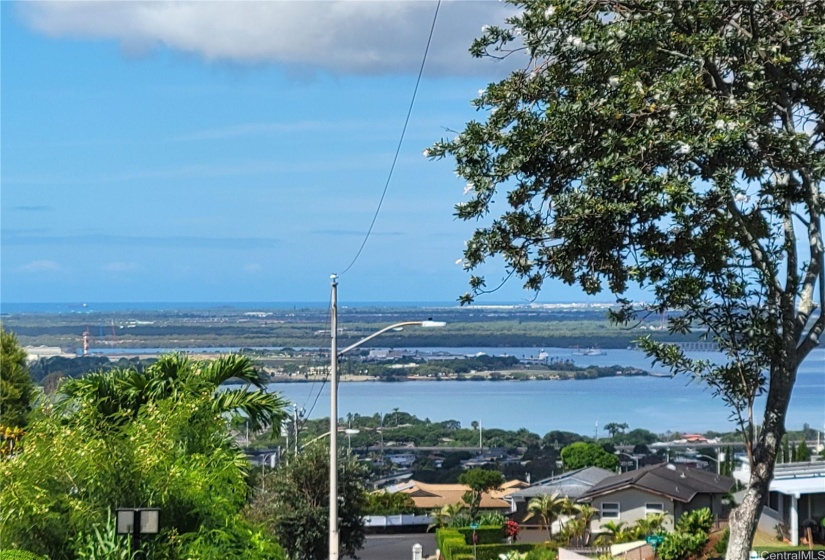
(797, 498)
(571, 484)
(435, 496)
(666, 488)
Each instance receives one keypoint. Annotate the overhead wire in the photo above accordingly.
(324, 380)
(381, 200)
(400, 141)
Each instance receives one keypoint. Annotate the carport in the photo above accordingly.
(797, 493)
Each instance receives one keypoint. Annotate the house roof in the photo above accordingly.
(571, 484)
(799, 478)
(432, 496)
(676, 482)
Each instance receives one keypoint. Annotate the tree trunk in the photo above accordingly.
(745, 517)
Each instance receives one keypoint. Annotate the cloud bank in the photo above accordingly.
(340, 36)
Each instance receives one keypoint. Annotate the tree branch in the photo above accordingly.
(754, 247)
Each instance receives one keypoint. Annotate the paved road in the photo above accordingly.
(396, 547)
(399, 547)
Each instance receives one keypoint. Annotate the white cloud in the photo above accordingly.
(341, 36)
(252, 268)
(39, 266)
(120, 267)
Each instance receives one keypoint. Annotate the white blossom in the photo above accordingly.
(426, 153)
(576, 42)
(731, 125)
(481, 93)
(753, 146)
(621, 34)
(459, 261)
(741, 197)
(780, 179)
(682, 149)
(720, 124)
(750, 85)
(613, 81)
(469, 188)
(673, 114)
(640, 86)
(550, 11)
(485, 28)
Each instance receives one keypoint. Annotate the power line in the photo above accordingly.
(400, 141)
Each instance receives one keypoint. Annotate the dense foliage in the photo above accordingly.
(582, 454)
(480, 481)
(677, 146)
(16, 387)
(293, 503)
(124, 439)
(386, 503)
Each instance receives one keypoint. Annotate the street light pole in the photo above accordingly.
(334, 535)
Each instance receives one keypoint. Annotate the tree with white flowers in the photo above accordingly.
(677, 146)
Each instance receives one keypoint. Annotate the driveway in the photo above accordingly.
(396, 547)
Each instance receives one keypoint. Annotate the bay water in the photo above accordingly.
(658, 404)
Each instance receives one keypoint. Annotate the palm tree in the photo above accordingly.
(576, 530)
(441, 517)
(616, 533)
(652, 523)
(117, 395)
(567, 508)
(548, 508)
(586, 514)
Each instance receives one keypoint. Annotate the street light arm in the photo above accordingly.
(389, 328)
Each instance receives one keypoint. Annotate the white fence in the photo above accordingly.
(396, 520)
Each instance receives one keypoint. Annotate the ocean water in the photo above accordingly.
(104, 307)
(657, 404)
(653, 403)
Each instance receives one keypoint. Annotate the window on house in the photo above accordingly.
(610, 510)
(657, 507)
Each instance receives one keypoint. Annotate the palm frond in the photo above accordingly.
(261, 408)
(228, 366)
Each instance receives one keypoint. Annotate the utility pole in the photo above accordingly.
(295, 423)
(333, 424)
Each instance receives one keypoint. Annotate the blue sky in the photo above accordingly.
(210, 151)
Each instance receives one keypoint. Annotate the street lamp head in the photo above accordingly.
(430, 324)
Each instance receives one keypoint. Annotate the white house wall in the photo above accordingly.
(632, 508)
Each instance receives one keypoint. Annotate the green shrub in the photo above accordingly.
(460, 520)
(492, 518)
(447, 537)
(681, 546)
(19, 555)
(543, 552)
(103, 542)
(489, 551)
(721, 545)
(489, 534)
(696, 521)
